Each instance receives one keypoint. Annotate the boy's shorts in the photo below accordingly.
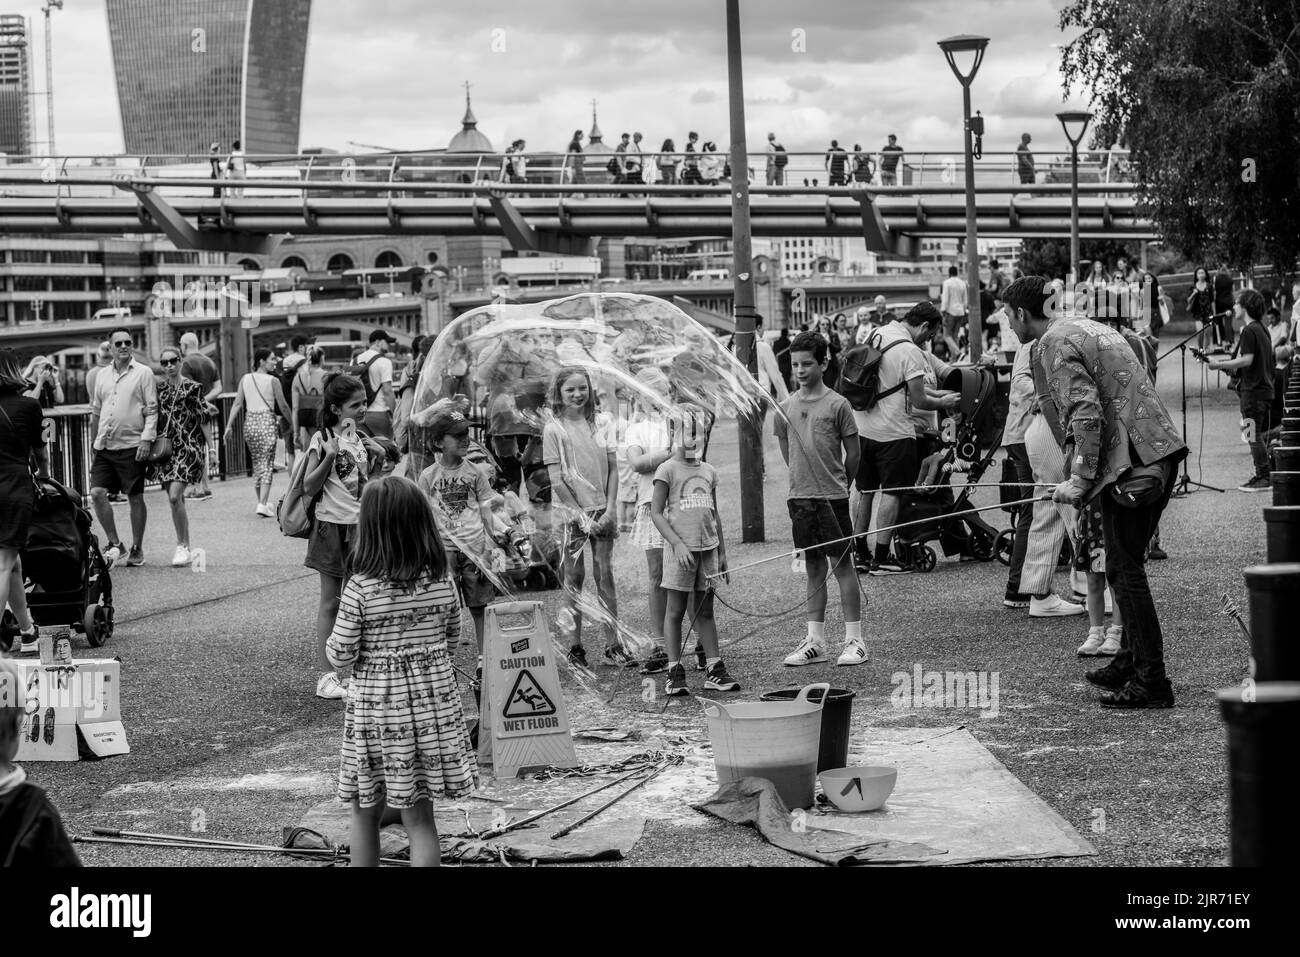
(813, 523)
(695, 578)
(475, 589)
(329, 546)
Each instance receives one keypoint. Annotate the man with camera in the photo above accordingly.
(1123, 449)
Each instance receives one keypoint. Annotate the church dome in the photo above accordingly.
(469, 139)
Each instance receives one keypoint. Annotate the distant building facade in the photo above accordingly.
(15, 86)
(193, 71)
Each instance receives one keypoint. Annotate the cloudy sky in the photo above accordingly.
(389, 72)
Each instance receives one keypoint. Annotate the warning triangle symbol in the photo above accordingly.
(527, 699)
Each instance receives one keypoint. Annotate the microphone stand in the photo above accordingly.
(1184, 484)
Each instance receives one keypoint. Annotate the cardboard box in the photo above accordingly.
(72, 711)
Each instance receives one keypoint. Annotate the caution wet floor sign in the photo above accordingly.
(523, 722)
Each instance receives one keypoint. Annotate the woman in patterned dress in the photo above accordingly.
(259, 396)
(181, 410)
(404, 739)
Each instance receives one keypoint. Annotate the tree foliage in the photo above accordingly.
(1206, 94)
(1051, 257)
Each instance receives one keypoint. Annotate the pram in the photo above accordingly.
(65, 576)
(968, 446)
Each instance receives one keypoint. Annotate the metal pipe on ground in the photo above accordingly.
(1282, 531)
(1263, 720)
(1274, 598)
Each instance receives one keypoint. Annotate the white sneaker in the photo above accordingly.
(1053, 606)
(265, 511)
(181, 557)
(1091, 647)
(330, 687)
(1114, 635)
(854, 653)
(809, 652)
(112, 556)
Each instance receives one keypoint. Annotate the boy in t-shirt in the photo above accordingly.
(462, 506)
(822, 457)
(685, 510)
(31, 833)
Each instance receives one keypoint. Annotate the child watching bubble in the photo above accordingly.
(685, 511)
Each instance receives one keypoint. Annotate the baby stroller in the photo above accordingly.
(65, 576)
(970, 450)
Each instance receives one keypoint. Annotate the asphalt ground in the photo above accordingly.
(227, 737)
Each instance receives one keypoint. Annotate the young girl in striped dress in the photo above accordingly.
(404, 738)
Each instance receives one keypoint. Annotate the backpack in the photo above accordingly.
(295, 512)
(781, 158)
(362, 371)
(286, 377)
(860, 374)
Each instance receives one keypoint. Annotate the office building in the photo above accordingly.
(15, 86)
(191, 72)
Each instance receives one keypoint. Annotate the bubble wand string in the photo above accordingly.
(889, 528)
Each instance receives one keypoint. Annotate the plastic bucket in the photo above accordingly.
(1286, 458)
(1286, 488)
(837, 714)
(773, 740)
(1282, 529)
(1274, 598)
(1261, 720)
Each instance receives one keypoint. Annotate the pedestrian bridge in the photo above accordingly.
(302, 196)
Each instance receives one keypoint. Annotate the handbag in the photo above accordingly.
(161, 450)
(1141, 485)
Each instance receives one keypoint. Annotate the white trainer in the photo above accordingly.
(112, 555)
(265, 511)
(1114, 635)
(1091, 647)
(181, 557)
(854, 653)
(1053, 606)
(330, 687)
(809, 652)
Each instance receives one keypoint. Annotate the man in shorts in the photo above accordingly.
(889, 458)
(124, 421)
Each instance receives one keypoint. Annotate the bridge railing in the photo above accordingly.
(71, 446)
(43, 175)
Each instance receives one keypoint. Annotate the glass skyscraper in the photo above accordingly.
(191, 72)
(15, 87)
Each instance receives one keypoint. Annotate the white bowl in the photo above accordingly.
(860, 788)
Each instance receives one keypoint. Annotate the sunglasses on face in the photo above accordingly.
(169, 362)
(123, 344)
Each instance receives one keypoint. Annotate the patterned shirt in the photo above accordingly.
(1104, 401)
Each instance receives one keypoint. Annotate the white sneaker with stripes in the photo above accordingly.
(810, 652)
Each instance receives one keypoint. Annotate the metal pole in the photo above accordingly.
(750, 426)
(1074, 212)
(975, 326)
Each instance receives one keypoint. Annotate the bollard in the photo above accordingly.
(1274, 593)
(1291, 423)
(1289, 438)
(1263, 720)
(1282, 530)
(1286, 488)
(1286, 458)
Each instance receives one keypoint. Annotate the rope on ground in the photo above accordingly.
(633, 762)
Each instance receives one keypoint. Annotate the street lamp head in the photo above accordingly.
(965, 43)
(1072, 120)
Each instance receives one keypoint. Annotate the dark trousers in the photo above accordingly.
(1127, 532)
(1257, 408)
(1024, 516)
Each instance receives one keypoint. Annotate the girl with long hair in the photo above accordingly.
(21, 444)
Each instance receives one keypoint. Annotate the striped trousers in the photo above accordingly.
(1050, 523)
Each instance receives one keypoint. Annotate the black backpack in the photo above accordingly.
(860, 374)
(362, 371)
(781, 158)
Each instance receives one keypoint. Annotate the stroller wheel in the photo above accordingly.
(923, 558)
(98, 622)
(1003, 547)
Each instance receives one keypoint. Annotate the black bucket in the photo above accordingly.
(1286, 488)
(1274, 597)
(1286, 458)
(837, 712)
(1261, 720)
(1282, 527)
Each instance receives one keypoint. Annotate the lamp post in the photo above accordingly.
(951, 47)
(38, 306)
(1071, 120)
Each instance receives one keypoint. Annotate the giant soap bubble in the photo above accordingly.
(543, 386)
